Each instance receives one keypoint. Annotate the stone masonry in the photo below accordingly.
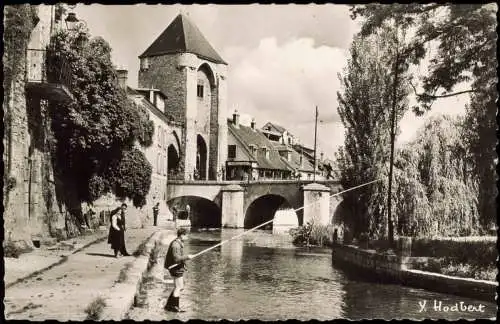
(177, 76)
(31, 208)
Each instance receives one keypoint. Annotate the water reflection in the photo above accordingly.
(243, 279)
(365, 299)
(262, 276)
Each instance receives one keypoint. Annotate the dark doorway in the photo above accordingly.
(201, 158)
(173, 159)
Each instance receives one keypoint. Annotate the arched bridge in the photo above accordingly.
(249, 203)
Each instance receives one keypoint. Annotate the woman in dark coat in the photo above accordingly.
(116, 235)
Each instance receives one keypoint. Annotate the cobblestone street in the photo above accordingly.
(65, 290)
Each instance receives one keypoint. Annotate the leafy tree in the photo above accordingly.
(365, 108)
(96, 134)
(436, 194)
(465, 35)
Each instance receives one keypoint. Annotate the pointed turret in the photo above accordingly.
(182, 36)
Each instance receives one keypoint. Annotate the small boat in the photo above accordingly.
(182, 219)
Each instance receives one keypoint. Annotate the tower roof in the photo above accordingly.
(182, 36)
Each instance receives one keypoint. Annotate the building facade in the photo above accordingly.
(251, 156)
(184, 66)
(277, 133)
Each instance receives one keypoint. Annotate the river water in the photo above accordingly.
(262, 276)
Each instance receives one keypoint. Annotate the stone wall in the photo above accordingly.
(213, 166)
(35, 207)
(380, 265)
(163, 74)
(394, 268)
(16, 157)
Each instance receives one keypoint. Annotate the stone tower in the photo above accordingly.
(182, 64)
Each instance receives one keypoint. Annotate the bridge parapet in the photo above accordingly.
(235, 197)
(243, 182)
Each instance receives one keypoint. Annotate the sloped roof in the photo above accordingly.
(182, 36)
(248, 137)
(295, 159)
(132, 91)
(270, 132)
(278, 128)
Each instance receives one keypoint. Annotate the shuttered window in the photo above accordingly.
(231, 151)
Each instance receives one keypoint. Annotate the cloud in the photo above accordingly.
(283, 59)
(283, 84)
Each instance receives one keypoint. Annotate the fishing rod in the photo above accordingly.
(269, 221)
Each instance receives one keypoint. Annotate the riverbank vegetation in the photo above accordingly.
(95, 309)
(444, 180)
(312, 234)
(469, 257)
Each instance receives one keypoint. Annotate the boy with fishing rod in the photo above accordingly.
(175, 264)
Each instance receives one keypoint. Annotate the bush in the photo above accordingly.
(450, 267)
(476, 252)
(123, 276)
(95, 309)
(15, 249)
(312, 234)
(133, 177)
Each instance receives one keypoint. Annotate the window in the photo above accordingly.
(289, 141)
(265, 152)
(165, 138)
(158, 135)
(199, 90)
(158, 163)
(144, 63)
(231, 151)
(253, 149)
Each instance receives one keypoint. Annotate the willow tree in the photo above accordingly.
(96, 134)
(369, 91)
(436, 194)
(465, 35)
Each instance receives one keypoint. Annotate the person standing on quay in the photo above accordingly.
(175, 255)
(156, 210)
(117, 230)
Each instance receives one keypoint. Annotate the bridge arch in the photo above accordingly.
(263, 209)
(204, 213)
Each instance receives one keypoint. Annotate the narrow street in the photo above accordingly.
(64, 291)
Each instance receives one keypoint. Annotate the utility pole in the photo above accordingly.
(315, 141)
(390, 224)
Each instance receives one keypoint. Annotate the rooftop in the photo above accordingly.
(151, 89)
(248, 136)
(182, 36)
(295, 159)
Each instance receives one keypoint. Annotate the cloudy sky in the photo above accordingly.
(283, 59)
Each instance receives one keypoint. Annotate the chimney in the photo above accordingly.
(321, 156)
(236, 118)
(252, 124)
(122, 78)
(151, 95)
